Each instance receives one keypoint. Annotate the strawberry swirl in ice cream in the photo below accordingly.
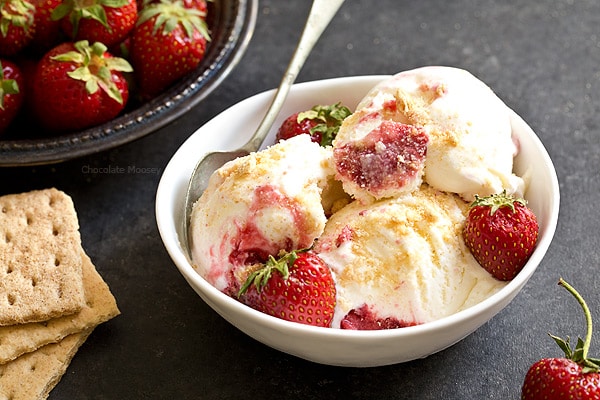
(469, 149)
(257, 205)
(383, 206)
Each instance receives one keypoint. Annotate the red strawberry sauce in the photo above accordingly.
(249, 243)
(365, 319)
(390, 156)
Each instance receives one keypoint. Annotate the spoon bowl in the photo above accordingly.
(202, 173)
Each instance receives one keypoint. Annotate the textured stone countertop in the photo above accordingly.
(541, 56)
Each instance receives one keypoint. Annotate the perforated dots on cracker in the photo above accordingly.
(100, 307)
(40, 257)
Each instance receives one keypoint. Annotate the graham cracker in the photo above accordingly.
(100, 307)
(40, 257)
(33, 375)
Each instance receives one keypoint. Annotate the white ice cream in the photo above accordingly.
(258, 205)
(470, 149)
(404, 258)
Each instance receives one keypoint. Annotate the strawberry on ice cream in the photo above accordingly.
(257, 205)
(439, 125)
(402, 261)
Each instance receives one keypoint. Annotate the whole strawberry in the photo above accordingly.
(296, 287)
(17, 25)
(48, 32)
(105, 21)
(574, 377)
(11, 92)
(77, 86)
(501, 232)
(322, 123)
(168, 42)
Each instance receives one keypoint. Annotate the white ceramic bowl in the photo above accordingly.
(231, 128)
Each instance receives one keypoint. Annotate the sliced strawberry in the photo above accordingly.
(321, 122)
(85, 84)
(501, 232)
(296, 287)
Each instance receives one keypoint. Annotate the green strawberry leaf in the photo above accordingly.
(261, 276)
(71, 56)
(82, 74)
(91, 86)
(4, 25)
(118, 64)
(61, 11)
(170, 14)
(17, 13)
(564, 345)
(114, 3)
(331, 118)
(91, 58)
(95, 12)
(7, 86)
(579, 355)
(496, 201)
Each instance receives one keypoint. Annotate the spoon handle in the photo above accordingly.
(321, 13)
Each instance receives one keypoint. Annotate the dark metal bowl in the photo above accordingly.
(232, 25)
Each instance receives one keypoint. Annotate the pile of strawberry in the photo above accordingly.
(74, 64)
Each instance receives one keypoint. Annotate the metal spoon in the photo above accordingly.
(321, 13)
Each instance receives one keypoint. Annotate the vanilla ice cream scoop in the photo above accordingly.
(469, 142)
(257, 205)
(402, 259)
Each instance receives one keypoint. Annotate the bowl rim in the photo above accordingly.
(167, 226)
(156, 113)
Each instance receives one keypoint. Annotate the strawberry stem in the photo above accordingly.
(588, 316)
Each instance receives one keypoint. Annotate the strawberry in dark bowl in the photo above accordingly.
(374, 335)
(27, 141)
(86, 83)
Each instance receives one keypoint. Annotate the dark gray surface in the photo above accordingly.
(542, 57)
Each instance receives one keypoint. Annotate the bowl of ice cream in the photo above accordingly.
(464, 309)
